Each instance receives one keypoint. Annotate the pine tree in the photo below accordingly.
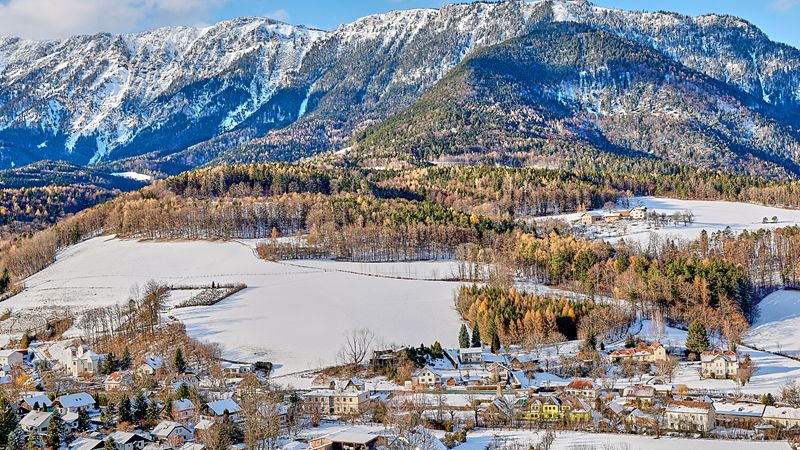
(153, 413)
(179, 362)
(495, 342)
(697, 338)
(82, 424)
(125, 362)
(476, 336)
(436, 350)
(16, 439)
(183, 392)
(767, 399)
(55, 431)
(8, 420)
(463, 337)
(125, 413)
(140, 407)
(109, 365)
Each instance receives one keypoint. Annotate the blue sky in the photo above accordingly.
(42, 19)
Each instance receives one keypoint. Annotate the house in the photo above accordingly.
(36, 422)
(86, 443)
(524, 362)
(427, 377)
(583, 387)
(639, 395)
(738, 414)
(150, 366)
(217, 410)
(719, 364)
(172, 433)
(184, 378)
(129, 441)
(640, 420)
(690, 416)
(323, 381)
(183, 411)
(12, 358)
(782, 416)
(552, 408)
(82, 361)
(651, 353)
(75, 402)
(638, 212)
(118, 380)
(39, 402)
(472, 355)
(383, 360)
(352, 384)
(330, 401)
(498, 412)
(612, 216)
(345, 440)
(588, 218)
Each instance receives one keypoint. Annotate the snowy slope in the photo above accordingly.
(778, 324)
(292, 316)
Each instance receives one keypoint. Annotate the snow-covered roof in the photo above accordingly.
(352, 437)
(688, 407)
(35, 419)
(79, 400)
(154, 362)
(182, 405)
(123, 437)
(204, 424)
(165, 428)
(712, 355)
(781, 412)
(35, 401)
(739, 409)
(220, 406)
(86, 443)
(192, 446)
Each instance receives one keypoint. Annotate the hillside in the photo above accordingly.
(253, 89)
(562, 92)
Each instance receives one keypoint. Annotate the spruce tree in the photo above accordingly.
(179, 362)
(8, 420)
(16, 439)
(767, 399)
(183, 392)
(463, 337)
(495, 342)
(153, 413)
(82, 424)
(476, 336)
(109, 444)
(697, 338)
(125, 413)
(55, 431)
(125, 362)
(139, 407)
(629, 342)
(109, 365)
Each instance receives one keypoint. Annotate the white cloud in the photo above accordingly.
(47, 19)
(785, 5)
(279, 14)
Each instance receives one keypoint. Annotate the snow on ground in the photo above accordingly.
(778, 324)
(419, 270)
(294, 317)
(133, 176)
(708, 215)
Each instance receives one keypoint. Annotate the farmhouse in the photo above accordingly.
(638, 212)
(589, 218)
(690, 416)
(782, 416)
(718, 364)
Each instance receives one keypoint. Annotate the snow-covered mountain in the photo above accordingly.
(252, 89)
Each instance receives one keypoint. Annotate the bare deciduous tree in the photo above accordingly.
(356, 347)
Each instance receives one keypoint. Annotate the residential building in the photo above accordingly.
(690, 416)
(638, 212)
(782, 416)
(583, 387)
(75, 402)
(216, 410)
(384, 360)
(150, 366)
(119, 380)
(334, 402)
(171, 433)
(12, 358)
(36, 422)
(719, 364)
(639, 395)
(556, 407)
(472, 355)
(183, 411)
(345, 440)
(39, 402)
(588, 218)
(129, 441)
(643, 352)
(427, 377)
(190, 380)
(738, 414)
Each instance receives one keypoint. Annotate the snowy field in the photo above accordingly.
(481, 439)
(778, 324)
(708, 215)
(292, 316)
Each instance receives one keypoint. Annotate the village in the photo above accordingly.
(62, 394)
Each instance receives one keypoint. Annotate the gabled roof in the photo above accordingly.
(220, 406)
(35, 401)
(182, 405)
(79, 400)
(165, 428)
(123, 437)
(712, 355)
(690, 407)
(582, 384)
(781, 412)
(35, 419)
(119, 377)
(86, 443)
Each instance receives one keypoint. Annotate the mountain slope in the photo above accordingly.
(255, 89)
(567, 89)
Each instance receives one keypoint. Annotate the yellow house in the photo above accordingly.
(553, 408)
